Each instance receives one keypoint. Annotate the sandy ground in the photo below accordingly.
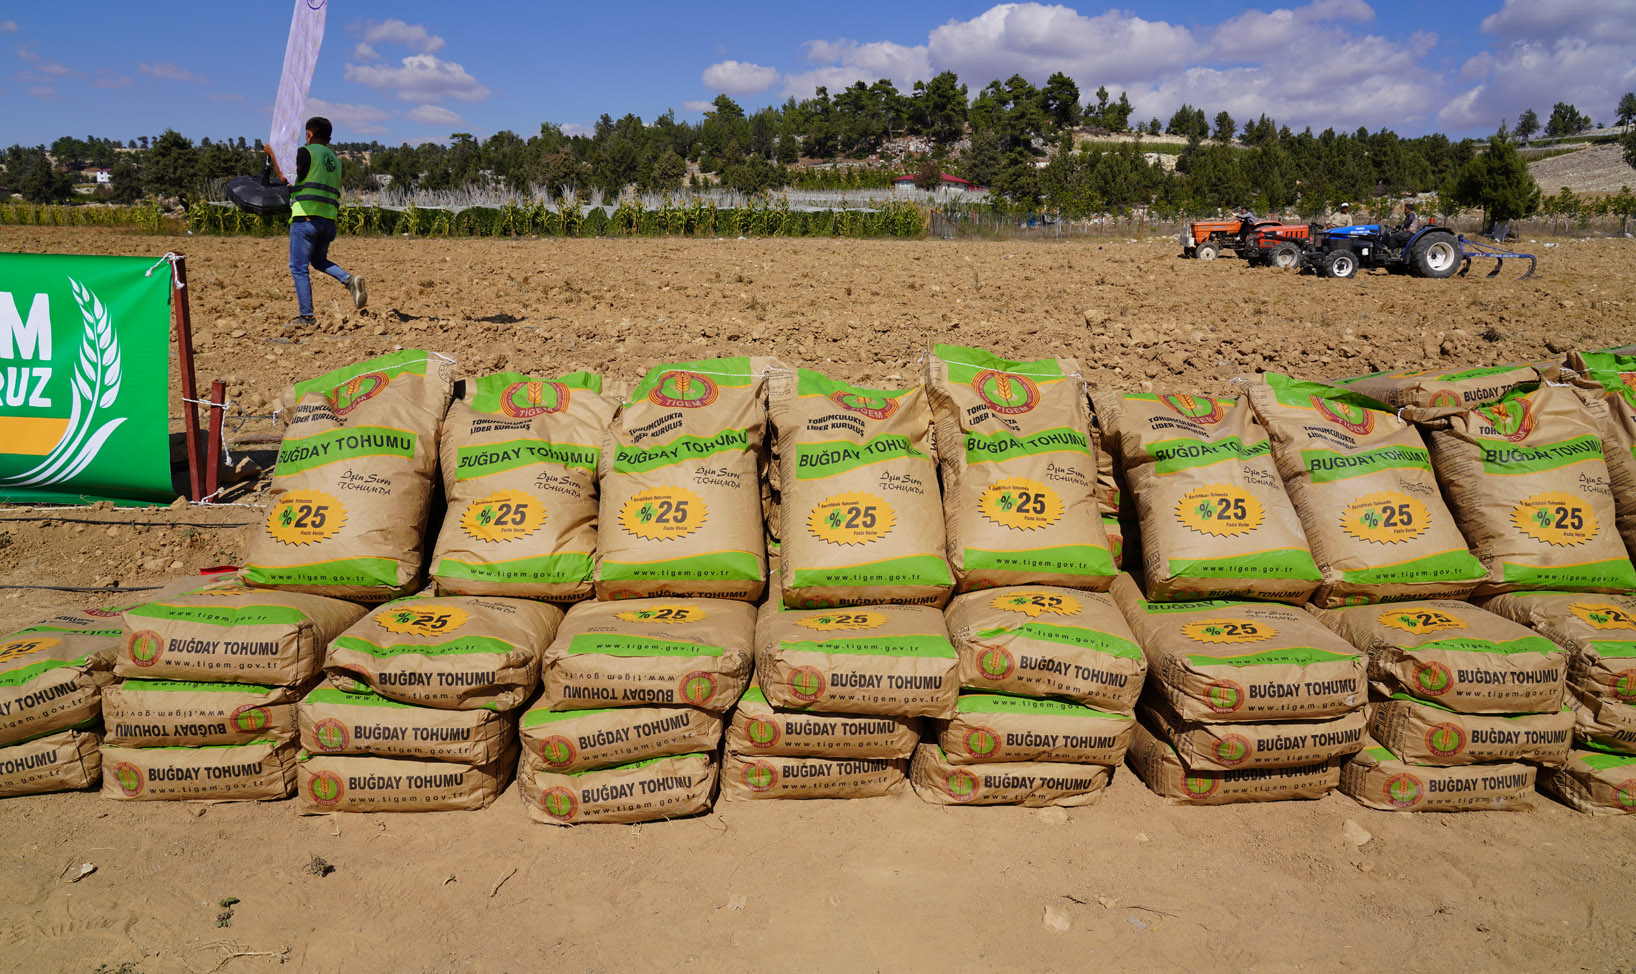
(888, 884)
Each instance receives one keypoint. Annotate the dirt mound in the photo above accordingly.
(1599, 169)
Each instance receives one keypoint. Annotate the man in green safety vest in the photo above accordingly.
(314, 204)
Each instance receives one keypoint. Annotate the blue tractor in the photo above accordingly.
(1431, 251)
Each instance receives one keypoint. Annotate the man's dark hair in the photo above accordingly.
(320, 128)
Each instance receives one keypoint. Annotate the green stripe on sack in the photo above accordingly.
(472, 462)
(1073, 559)
(1328, 466)
(1456, 565)
(1606, 761)
(21, 676)
(1502, 457)
(467, 646)
(563, 569)
(810, 383)
(192, 686)
(965, 363)
(636, 459)
(619, 644)
(935, 647)
(1008, 703)
(364, 572)
(1615, 573)
(1299, 393)
(1411, 698)
(103, 633)
(362, 698)
(339, 445)
(990, 447)
(721, 566)
(411, 361)
(1287, 656)
(1614, 648)
(1171, 456)
(827, 458)
(638, 764)
(1510, 647)
(536, 718)
(222, 615)
(1278, 563)
(1091, 639)
(913, 570)
(723, 372)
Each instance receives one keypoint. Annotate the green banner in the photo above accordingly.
(84, 379)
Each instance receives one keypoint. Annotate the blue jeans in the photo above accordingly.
(309, 245)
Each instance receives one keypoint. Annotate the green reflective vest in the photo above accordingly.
(320, 193)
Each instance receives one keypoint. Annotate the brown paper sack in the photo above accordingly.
(1157, 764)
(999, 727)
(567, 741)
(65, 760)
(1375, 778)
(759, 729)
(751, 777)
(644, 791)
(1243, 661)
(1595, 782)
(1424, 733)
(454, 652)
(337, 722)
(1040, 642)
(642, 652)
(1209, 746)
(257, 771)
(160, 713)
(346, 783)
(880, 659)
(353, 486)
(1032, 784)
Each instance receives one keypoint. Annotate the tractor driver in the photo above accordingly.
(1342, 217)
(1404, 232)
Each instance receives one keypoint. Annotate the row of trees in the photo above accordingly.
(1023, 141)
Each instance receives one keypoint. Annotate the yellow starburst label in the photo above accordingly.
(18, 648)
(663, 513)
(663, 613)
(854, 517)
(1597, 615)
(504, 515)
(841, 621)
(413, 620)
(1221, 510)
(1035, 604)
(1556, 518)
(1021, 504)
(1228, 631)
(306, 517)
(1421, 620)
(1385, 517)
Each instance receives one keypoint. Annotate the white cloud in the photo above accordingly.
(413, 36)
(739, 78)
(574, 128)
(1035, 40)
(172, 72)
(360, 119)
(119, 82)
(44, 65)
(859, 62)
(8, 26)
(1582, 52)
(693, 106)
(363, 51)
(421, 78)
(434, 115)
(45, 92)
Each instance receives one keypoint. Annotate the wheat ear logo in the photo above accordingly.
(95, 386)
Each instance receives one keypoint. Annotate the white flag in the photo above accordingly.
(300, 57)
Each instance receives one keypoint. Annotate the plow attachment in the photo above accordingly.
(1471, 248)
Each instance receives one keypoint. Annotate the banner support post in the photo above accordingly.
(213, 442)
(190, 391)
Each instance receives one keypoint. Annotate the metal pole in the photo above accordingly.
(213, 443)
(190, 391)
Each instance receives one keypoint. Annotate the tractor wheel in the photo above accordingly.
(1285, 256)
(1435, 255)
(1206, 251)
(1340, 264)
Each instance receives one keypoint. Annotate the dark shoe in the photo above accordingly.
(300, 320)
(359, 296)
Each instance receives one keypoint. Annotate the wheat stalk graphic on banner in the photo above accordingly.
(95, 386)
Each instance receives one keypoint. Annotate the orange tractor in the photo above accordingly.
(1257, 241)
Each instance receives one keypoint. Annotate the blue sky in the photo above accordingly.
(412, 71)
